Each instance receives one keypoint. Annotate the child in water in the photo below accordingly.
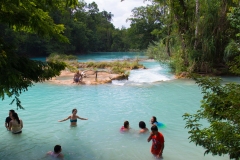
(157, 142)
(125, 127)
(57, 152)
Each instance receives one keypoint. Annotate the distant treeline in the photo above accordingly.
(87, 30)
(193, 36)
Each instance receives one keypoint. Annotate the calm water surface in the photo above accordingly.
(147, 92)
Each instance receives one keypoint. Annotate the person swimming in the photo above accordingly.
(73, 118)
(154, 121)
(57, 152)
(143, 129)
(125, 127)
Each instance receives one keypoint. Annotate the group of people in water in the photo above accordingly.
(156, 136)
(15, 125)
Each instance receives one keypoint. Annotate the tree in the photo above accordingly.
(144, 20)
(221, 108)
(19, 72)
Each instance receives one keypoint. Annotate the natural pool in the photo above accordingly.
(106, 107)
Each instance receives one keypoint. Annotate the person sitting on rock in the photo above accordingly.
(77, 77)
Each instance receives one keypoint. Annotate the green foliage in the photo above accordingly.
(157, 51)
(32, 16)
(118, 67)
(220, 107)
(70, 61)
(231, 50)
(177, 63)
(54, 57)
(144, 20)
(118, 70)
(234, 66)
(19, 72)
(206, 33)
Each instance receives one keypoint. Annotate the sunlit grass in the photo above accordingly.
(117, 67)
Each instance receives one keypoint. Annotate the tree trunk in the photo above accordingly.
(197, 23)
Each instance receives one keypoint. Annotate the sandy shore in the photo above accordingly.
(66, 78)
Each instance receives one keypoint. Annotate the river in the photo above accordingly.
(150, 92)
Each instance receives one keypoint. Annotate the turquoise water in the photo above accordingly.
(104, 56)
(147, 93)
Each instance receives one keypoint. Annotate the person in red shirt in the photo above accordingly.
(157, 142)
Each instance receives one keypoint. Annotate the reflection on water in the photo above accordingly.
(106, 107)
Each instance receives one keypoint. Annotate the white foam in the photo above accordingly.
(118, 82)
(154, 74)
(148, 76)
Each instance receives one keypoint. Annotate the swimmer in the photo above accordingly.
(154, 121)
(143, 129)
(125, 127)
(73, 118)
(57, 152)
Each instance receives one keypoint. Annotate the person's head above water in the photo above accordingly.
(15, 116)
(154, 129)
(142, 125)
(74, 111)
(57, 149)
(11, 112)
(126, 124)
(154, 119)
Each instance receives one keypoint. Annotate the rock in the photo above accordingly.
(66, 78)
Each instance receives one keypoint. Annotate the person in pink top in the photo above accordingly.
(125, 127)
(57, 152)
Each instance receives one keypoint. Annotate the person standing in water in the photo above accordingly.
(157, 142)
(9, 118)
(15, 124)
(73, 118)
(57, 152)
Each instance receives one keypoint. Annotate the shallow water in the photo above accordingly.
(147, 92)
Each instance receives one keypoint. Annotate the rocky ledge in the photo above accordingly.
(90, 78)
